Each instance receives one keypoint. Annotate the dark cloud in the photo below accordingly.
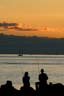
(15, 26)
(5, 24)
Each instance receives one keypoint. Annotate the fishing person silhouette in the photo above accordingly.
(42, 79)
(26, 79)
(26, 90)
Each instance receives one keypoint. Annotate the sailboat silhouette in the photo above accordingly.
(20, 52)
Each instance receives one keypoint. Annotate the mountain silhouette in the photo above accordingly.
(10, 44)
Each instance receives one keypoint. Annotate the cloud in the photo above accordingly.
(6, 25)
(25, 29)
(15, 26)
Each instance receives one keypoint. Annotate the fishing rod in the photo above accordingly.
(37, 64)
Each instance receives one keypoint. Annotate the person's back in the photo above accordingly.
(26, 79)
(43, 77)
(42, 80)
(26, 90)
(42, 86)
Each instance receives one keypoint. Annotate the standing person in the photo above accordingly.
(26, 89)
(42, 86)
(43, 77)
(26, 79)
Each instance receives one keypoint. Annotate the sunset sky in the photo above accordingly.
(45, 15)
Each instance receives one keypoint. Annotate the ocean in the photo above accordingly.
(12, 67)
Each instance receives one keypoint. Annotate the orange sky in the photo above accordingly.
(45, 15)
(41, 32)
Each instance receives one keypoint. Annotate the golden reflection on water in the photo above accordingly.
(15, 73)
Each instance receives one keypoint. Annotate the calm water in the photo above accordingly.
(12, 67)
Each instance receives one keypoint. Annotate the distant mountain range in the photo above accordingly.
(30, 45)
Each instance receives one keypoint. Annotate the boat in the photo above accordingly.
(20, 53)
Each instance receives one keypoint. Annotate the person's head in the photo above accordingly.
(26, 73)
(42, 70)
